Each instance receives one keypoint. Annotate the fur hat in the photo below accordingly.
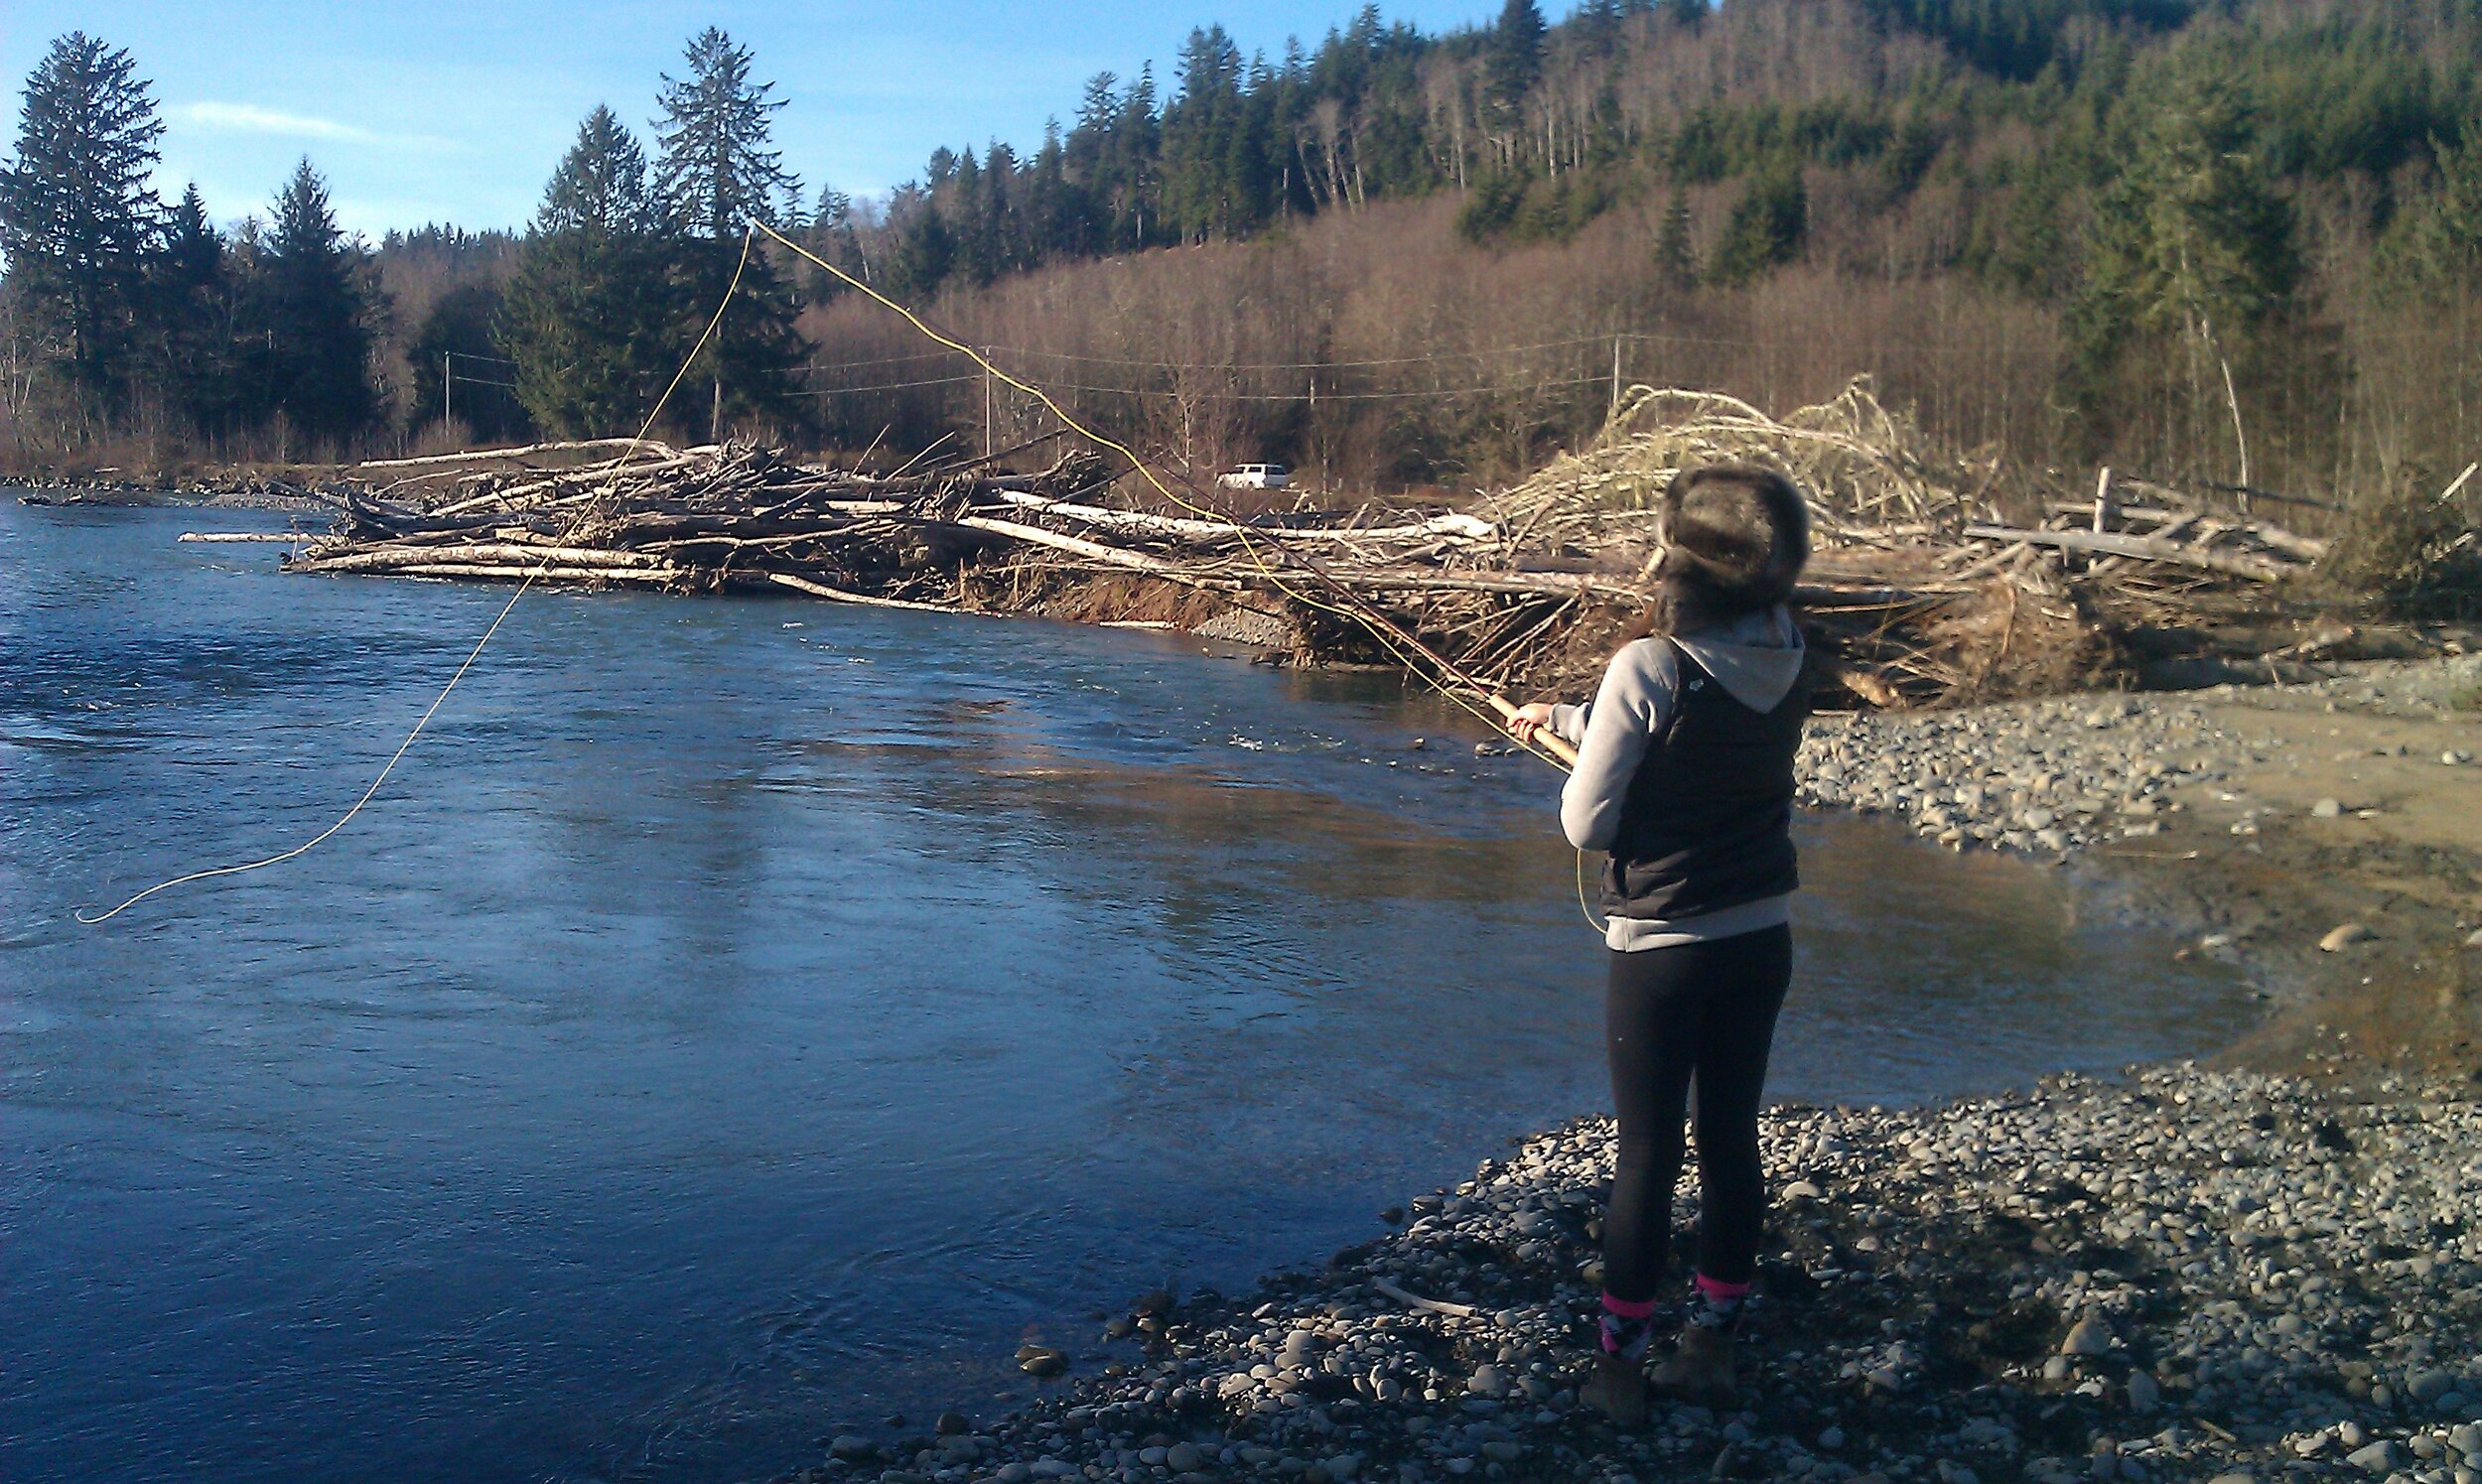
(1736, 538)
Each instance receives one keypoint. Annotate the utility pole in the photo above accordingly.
(1615, 380)
(986, 444)
(448, 387)
(1316, 448)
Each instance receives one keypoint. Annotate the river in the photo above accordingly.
(742, 1020)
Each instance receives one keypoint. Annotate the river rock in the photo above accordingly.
(2345, 936)
(2428, 1386)
(2326, 809)
(2144, 1392)
(852, 1449)
(2374, 1458)
(1041, 1363)
(2077, 1194)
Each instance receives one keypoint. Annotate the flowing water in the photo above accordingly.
(741, 1021)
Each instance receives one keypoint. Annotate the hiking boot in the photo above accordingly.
(1700, 1370)
(1618, 1390)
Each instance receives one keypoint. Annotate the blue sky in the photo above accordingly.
(456, 111)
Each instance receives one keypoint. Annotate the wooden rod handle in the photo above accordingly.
(1544, 738)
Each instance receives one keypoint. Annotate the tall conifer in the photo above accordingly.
(592, 316)
(78, 217)
(718, 172)
(315, 306)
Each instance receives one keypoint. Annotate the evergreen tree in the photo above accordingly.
(591, 317)
(1596, 25)
(315, 307)
(925, 254)
(1766, 228)
(2191, 243)
(1215, 144)
(191, 311)
(1515, 57)
(718, 172)
(1676, 255)
(78, 219)
(1138, 141)
(834, 237)
(2440, 244)
(457, 337)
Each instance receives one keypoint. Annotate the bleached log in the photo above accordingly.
(519, 553)
(1092, 551)
(235, 537)
(528, 451)
(1452, 524)
(839, 594)
(2141, 548)
(514, 572)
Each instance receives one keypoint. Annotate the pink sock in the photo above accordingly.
(1627, 1328)
(1718, 1291)
(1629, 1309)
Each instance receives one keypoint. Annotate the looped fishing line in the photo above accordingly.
(1417, 659)
(475, 654)
(1411, 652)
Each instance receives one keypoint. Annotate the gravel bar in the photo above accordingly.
(2054, 777)
(2189, 1274)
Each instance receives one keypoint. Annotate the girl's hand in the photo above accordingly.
(1530, 718)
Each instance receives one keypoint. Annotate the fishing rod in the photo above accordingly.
(1408, 644)
(1446, 676)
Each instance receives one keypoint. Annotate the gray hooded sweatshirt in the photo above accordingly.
(1756, 658)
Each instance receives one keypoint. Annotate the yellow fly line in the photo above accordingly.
(1546, 745)
(1417, 657)
(635, 443)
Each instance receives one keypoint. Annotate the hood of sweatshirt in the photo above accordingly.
(1755, 657)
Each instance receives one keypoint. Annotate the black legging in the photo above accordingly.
(1703, 1009)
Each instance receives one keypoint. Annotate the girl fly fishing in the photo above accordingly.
(1685, 777)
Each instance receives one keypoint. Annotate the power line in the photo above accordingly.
(884, 386)
(1625, 337)
(1221, 396)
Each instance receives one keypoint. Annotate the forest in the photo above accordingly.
(2220, 241)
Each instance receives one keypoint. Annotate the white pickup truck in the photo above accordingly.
(1255, 477)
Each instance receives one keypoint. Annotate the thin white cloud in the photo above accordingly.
(249, 118)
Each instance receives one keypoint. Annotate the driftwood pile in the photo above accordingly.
(1919, 592)
(712, 519)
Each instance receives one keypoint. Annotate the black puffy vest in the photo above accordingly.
(1708, 822)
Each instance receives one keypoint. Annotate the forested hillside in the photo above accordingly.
(2236, 241)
